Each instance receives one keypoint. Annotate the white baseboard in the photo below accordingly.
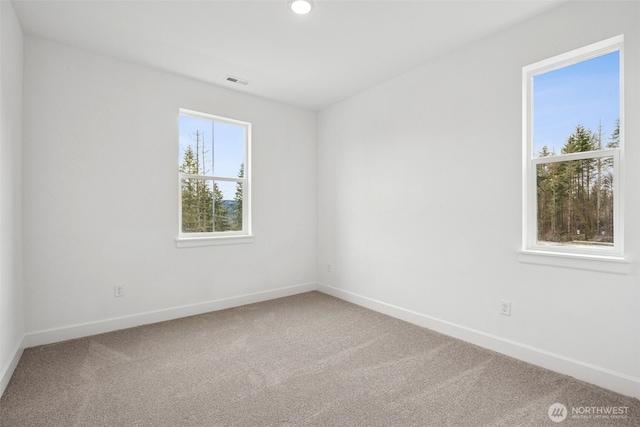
(603, 377)
(10, 367)
(48, 336)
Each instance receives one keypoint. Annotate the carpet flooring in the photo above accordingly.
(305, 360)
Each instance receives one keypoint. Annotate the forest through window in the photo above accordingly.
(574, 143)
(213, 180)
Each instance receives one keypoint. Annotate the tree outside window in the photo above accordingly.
(213, 182)
(573, 151)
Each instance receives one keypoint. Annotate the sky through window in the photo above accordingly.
(586, 93)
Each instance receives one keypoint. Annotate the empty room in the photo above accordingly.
(324, 213)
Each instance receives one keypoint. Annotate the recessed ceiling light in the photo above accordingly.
(301, 7)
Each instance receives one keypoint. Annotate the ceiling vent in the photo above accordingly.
(238, 80)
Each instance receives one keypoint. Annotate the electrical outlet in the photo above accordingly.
(505, 307)
(118, 290)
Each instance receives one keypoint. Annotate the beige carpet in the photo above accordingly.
(306, 360)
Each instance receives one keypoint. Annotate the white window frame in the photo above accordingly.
(572, 256)
(219, 237)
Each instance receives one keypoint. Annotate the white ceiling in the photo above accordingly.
(339, 49)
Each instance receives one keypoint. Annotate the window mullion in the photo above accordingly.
(575, 156)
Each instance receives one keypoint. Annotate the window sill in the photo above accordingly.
(600, 263)
(193, 242)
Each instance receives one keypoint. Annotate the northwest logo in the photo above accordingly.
(557, 412)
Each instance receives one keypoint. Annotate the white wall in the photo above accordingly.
(11, 303)
(419, 204)
(100, 196)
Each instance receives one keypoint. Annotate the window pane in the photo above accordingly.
(575, 202)
(228, 150)
(197, 205)
(583, 96)
(228, 206)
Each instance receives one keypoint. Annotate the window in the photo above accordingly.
(573, 153)
(213, 175)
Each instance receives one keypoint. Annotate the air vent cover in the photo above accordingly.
(237, 80)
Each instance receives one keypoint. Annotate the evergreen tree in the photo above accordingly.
(606, 219)
(580, 219)
(197, 194)
(575, 198)
(221, 211)
(204, 208)
(237, 203)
